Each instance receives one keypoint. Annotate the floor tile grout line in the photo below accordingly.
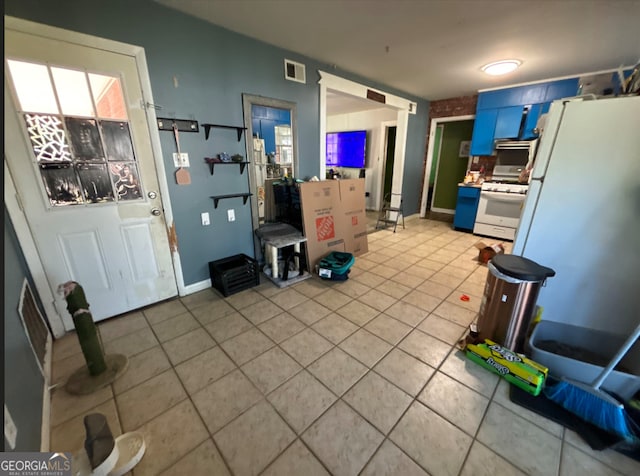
(189, 397)
(414, 400)
(338, 398)
(264, 398)
(370, 369)
(605, 463)
(302, 442)
(117, 408)
(475, 435)
(562, 443)
(298, 436)
(358, 327)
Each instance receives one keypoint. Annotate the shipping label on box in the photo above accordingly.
(322, 219)
(352, 199)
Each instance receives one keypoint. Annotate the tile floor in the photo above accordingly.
(356, 377)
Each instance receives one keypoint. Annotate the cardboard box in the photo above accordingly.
(323, 219)
(488, 251)
(355, 218)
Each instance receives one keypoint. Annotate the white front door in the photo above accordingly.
(78, 148)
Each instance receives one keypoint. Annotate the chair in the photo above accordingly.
(391, 211)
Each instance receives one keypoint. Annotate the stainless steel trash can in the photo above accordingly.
(509, 299)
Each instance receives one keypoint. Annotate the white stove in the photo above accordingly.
(500, 205)
(505, 187)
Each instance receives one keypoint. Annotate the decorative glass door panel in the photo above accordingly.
(79, 133)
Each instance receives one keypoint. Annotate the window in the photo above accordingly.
(79, 132)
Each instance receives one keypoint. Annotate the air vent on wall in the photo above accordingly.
(294, 71)
(35, 327)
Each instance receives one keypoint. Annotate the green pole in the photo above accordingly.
(78, 307)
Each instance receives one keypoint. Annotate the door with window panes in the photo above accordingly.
(79, 150)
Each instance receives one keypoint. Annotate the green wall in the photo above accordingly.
(451, 167)
(214, 66)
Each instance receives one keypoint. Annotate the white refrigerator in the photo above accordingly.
(581, 216)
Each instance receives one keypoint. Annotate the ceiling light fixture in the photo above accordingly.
(501, 67)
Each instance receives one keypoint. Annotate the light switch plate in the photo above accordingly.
(231, 215)
(204, 217)
(181, 160)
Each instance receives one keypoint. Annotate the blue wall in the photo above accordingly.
(23, 382)
(213, 67)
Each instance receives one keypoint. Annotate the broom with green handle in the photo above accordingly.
(595, 405)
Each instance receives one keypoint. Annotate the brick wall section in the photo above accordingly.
(460, 106)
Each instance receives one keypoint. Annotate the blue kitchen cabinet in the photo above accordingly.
(564, 88)
(466, 207)
(495, 99)
(484, 127)
(500, 113)
(518, 96)
(500, 98)
(508, 122)
(533, 114)
(534, 94)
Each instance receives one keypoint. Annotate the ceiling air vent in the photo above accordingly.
(294, 71)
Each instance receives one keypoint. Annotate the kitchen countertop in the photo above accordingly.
(474, 185)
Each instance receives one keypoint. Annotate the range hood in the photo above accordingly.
(514, 144)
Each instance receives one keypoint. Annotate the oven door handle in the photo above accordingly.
(503, 196)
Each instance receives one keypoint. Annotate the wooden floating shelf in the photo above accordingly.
(208, 127)
(213, 164)
(217, 198)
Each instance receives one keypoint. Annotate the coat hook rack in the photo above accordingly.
(184, 125)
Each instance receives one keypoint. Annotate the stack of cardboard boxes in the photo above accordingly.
(334, 218)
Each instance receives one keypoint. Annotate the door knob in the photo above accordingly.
(155, 212)
(152, 194)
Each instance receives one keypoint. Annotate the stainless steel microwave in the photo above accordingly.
(521, 153)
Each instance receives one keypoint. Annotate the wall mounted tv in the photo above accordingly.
(347, 149)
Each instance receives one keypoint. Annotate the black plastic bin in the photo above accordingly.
(234, 274)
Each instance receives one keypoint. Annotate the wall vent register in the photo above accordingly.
(294, 71)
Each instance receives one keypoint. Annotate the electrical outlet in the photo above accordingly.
(10, 429)
(205, 219)
(231, 215)
(181, 160)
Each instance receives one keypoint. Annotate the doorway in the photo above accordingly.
(271, 147)
(330, 84)
(447, 163)
(389, 159)
(434, 163)
(81, 160)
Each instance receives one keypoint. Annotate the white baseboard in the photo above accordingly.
(45, 434)
(195, 287)
(443, 210)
